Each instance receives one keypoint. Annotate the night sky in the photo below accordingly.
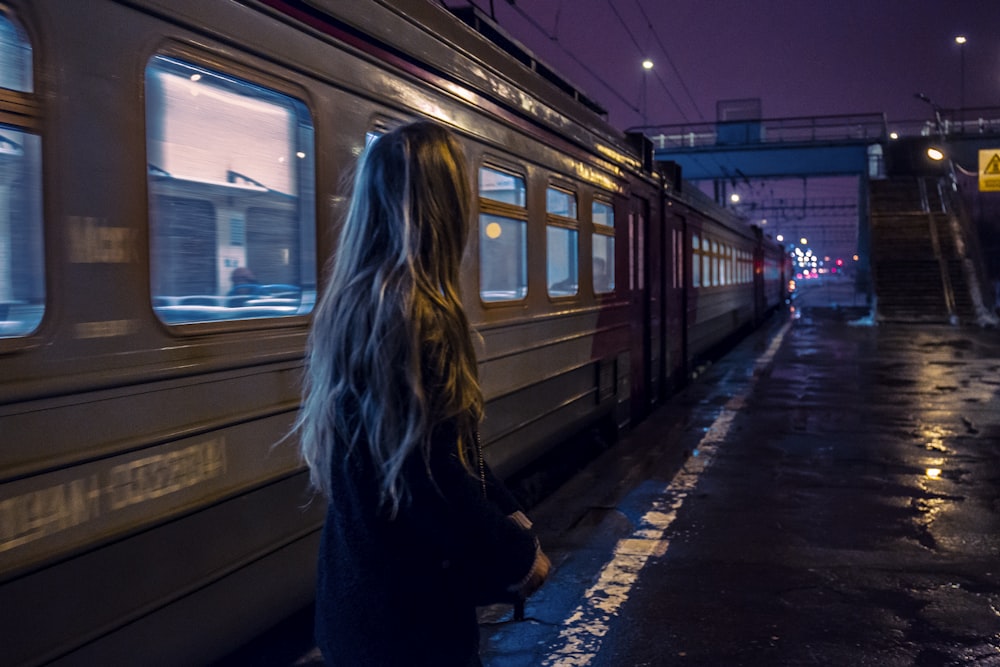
(800, 57)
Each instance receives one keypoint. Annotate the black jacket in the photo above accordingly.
(403, 590)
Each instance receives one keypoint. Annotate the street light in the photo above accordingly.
(961, 40)
(647, 65)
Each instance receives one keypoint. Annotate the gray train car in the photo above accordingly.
(171, 179)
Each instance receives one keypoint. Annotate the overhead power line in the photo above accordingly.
(586, 68)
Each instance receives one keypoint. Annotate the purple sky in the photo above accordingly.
(801, 57)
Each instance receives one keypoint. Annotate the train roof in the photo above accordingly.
(465, 46)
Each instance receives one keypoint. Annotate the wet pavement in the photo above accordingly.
(827, 494)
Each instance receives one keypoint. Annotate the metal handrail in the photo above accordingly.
(807, 129)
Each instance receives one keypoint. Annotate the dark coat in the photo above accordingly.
(403, 590)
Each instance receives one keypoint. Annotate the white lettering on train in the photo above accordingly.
(159, 475)
(106, 329)
(34, 515)
(92, 241)
(43, 512)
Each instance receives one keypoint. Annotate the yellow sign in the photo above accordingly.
(989, 170)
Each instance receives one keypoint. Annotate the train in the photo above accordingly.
(171, 180)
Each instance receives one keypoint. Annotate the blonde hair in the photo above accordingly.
(390, 357)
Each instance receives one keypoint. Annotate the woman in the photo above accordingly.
(417, 531)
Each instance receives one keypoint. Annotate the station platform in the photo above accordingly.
(828, 494)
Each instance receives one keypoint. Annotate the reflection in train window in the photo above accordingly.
(15, 57)
(503, 261)
(22, 270)
(602, 215)
(231, 197)
(562, 243)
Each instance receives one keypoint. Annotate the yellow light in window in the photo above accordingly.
(493, 230)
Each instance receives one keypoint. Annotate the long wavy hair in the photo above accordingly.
(390, 356)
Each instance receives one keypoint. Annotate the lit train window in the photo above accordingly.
(715, 263)
(15, 57)
(501, 186)
(602, 215)
(706, 263)
(503, 236)
(22, 270)
(562, 243)
(695, 261)
(231, 187)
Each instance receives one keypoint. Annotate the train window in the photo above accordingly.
(695, 261)
(22, 275)
(15, 57)
(231, 197)
(604, 263)
(724, 268)
(501, 186)
(562, 243)
(706, 263)
(503, 236)
(503, 261)
(715, 263)
(22, 270)
(561, 203)
(602, 215)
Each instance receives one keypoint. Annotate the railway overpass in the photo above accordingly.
(743, 147)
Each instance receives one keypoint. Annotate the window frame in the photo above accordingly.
(307, 191)
(21, 111)
(501, 209)
(558, 221)
(608, 231)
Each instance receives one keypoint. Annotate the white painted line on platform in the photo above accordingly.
(584, 630)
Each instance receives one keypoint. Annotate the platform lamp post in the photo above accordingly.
(961, 40)
(647, 65)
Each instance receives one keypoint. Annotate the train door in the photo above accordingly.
(638, 283)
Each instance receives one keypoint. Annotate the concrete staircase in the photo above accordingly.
(916, 264)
